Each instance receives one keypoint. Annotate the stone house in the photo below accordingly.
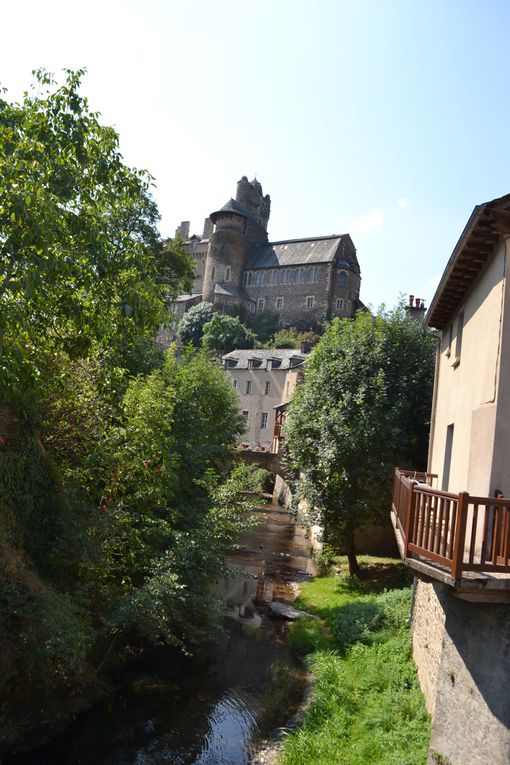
(263, 380)
(302, 281)
(453, 523)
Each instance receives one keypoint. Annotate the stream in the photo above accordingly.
(215, 708)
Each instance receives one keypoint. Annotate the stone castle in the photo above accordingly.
(303, 281)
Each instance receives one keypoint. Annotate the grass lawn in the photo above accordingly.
(366, 706)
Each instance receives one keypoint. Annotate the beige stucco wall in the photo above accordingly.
(283, 382)
(467, 388)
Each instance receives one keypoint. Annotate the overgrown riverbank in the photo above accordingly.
(366, 706)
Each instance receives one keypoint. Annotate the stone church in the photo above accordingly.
(303, 281)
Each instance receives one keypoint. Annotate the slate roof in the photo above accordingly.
(289, 358)
(294, 252)
(235, 207)
(230, 289)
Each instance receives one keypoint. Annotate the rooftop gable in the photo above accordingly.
(482, 232)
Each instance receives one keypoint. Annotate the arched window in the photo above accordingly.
(342, 278)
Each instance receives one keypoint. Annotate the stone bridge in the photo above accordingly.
(267, 460)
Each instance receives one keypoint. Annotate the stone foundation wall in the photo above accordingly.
(462, 651)
(282, 493)
(428, 631)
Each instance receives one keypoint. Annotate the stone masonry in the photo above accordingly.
(302, 281)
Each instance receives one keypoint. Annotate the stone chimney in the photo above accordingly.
(415, 308)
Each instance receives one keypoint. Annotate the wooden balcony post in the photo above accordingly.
(460, 535)
(409, 518)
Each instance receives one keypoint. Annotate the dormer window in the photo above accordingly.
(231, 363)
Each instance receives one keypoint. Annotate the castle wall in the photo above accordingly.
(302, 294)
(463, 654)
(344, 292)
(320, 282)
(295, 296)
(227, 250)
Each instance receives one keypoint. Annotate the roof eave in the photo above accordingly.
(467, 259)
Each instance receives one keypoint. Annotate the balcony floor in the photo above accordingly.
(473, 586)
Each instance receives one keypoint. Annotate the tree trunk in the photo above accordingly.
(354, 569)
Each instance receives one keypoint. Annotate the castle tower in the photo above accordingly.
(240, 226)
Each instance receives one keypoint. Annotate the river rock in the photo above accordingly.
(284, 611)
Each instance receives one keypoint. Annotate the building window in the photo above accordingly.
(286, 276)
(339, 304)
(342, 278)
(272, 277)
(313, 274)
(447, 457)
(458, 339)
(450, 339)
(263, 420)
(300, 275)
(259, 278)
(234, 382)
(348, 306)
(279, 302)
(309, 301)
(246, 414)
(252, 307)
(248, 387)
(228, 274)
(268, 388)
(261, 302)
(247, 278)
(212, 272)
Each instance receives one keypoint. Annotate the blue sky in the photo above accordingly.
(387, 119)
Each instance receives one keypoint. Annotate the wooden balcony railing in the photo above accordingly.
(458, 533)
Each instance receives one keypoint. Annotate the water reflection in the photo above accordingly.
(209, 710)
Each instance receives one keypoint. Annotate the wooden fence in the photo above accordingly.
(457, 532)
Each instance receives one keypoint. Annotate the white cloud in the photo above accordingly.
(402, 203)
(366, 222)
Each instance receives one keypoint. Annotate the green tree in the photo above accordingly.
(80, 255)
(164, 516)
(191, 326)
(362, 409)
(289, 337)
(225, 333)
